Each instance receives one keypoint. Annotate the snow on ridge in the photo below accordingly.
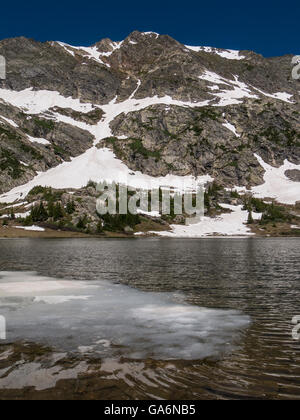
(229, 54)
(39, 101)
(92, 52)
(282, 96)
(38, 140)
(150, 33)
(11, 122)
(66, 47)
(231, 127)
(96, 164)
(238, 90)
(101, 164)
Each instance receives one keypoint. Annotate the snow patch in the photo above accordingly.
(31, 228)
(98, 165)
(37, 102)
(277, 185)
(228, 224)
(94, 163)
(38, 140)
(282, 96)
(238, 90)
(232, 128)
(11, 122)
(229, 54)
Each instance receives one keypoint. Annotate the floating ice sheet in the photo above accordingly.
(112, 319)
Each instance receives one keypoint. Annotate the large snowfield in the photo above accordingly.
(101, 164)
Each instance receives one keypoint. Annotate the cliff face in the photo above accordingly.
(162, 107)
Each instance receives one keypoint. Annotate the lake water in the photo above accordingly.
(205, 318)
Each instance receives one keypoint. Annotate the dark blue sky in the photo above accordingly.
(267, 27)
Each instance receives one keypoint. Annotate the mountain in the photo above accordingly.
(147, 108)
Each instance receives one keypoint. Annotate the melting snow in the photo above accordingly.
(282, 96)
(232, 128)
(37, 102)
(10, 122)
(229, 54)
(232, 224)
(92, 52)
(97, 164)
(112, 316)
(31, 228)
(38, 140)
(277, 185)
(94, 163)
(238, 90)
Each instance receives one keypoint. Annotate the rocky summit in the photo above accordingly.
(146, 108)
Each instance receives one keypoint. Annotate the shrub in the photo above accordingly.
(70, 207)
(38, 213)
(137, 146)
(92, 184)
(274, 214)
(234, 194)
(82, 222)
(9, 162)
(58, 212)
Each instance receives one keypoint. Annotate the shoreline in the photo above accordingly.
(53, 234)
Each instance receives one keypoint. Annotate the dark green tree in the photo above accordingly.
(250, 218)
(58, 212)
(70, 207)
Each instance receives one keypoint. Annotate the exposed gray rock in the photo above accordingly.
(159, 139)
(293, 174)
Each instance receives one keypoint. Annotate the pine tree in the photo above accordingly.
(12, 214)
(58, 212)
(70, 207)
(250, 218)
(82, 222)
(50, 209)
(43, 215)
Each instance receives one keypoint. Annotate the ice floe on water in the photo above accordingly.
(112, 319)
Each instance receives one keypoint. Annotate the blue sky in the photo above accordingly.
(267, 27)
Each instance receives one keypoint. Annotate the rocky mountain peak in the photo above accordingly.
(160, 106)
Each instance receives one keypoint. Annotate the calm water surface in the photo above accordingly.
(220, 309)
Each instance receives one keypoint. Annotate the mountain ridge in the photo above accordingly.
(147, 105)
